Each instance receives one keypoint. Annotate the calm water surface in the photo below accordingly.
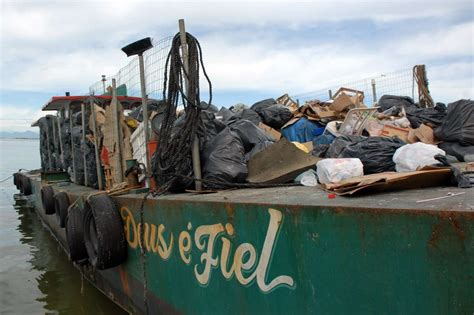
(36, 276)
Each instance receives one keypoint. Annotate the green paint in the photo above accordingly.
(345, 261)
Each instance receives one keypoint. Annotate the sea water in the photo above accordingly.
(36, 276)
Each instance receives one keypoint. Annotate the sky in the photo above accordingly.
(252, 49)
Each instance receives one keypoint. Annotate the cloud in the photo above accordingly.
(14, 118)
(258, 47)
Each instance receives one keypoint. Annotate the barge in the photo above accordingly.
(288, 251)
(283, 249)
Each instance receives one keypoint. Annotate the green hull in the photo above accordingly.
(292, 250)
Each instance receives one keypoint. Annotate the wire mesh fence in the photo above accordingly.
(129, 76)
(395, 83)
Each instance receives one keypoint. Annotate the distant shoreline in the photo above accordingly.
(19, 138)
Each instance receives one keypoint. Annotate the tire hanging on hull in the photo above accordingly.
(47, 199)
(75, 234)
(104, 236)
(61, 204)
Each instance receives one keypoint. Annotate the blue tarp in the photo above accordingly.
(303, 130)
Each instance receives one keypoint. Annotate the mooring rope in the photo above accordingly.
(174, 155)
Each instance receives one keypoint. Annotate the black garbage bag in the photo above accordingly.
(430, 116)
(224, 160)
(257, 148)
(249, 133)
(340, 143)
(376, 153)
(457, 178)
(261, 105)
(320, 150)
(275, 116)
(224, 114)
(209, 127)
(388, 101)
(212, 108)
(461, 152)
(415, 114)
(248, 114)
(458, 126)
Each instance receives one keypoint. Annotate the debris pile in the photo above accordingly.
(275, 141)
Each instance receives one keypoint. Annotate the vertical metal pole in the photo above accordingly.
(195, 147)
(53, 125)
(118, 139)
(96, 144)
(49, 147)
(374, 92)
(61, 147)
(83, 118)
(145, 114)
(298, 102)
(73, 167)
(103, 82)
(330, 94)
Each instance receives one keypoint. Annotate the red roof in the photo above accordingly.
(57, 102)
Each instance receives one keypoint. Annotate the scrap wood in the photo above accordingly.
(279, 163)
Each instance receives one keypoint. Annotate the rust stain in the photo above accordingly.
(124, 280)
(446, 222)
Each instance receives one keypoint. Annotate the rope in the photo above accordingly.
(5, 179)
(174, 156)
(419, 76)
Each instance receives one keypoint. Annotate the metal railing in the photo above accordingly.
(129, 75)
(395, 83)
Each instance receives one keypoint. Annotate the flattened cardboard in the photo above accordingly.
(390, 181)
(270, 131)
(279, 163)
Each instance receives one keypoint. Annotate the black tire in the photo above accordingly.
(103, 233)
(75, 234)
(26, 185)
(61, 203)
(47, 199)
(20, 188)
(16, 180)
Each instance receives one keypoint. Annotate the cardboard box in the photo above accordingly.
(343, 101)
(323, 111)
(425, 134)
(270, 131)
(392, 131)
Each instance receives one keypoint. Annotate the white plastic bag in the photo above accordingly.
(307, 178)
(335, 170)
(412, 156)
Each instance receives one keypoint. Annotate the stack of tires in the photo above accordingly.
(94, 233)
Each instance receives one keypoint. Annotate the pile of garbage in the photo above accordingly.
(276, 141)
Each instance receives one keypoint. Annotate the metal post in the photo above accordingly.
(103, 82)
(73, 167)
(195, 147)
(50, 165)
(53, 124)
(145, 114)
(374, 94)
(61, 147)
(83, 122)
(330, 94)
(118, 139)
(96, 144)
